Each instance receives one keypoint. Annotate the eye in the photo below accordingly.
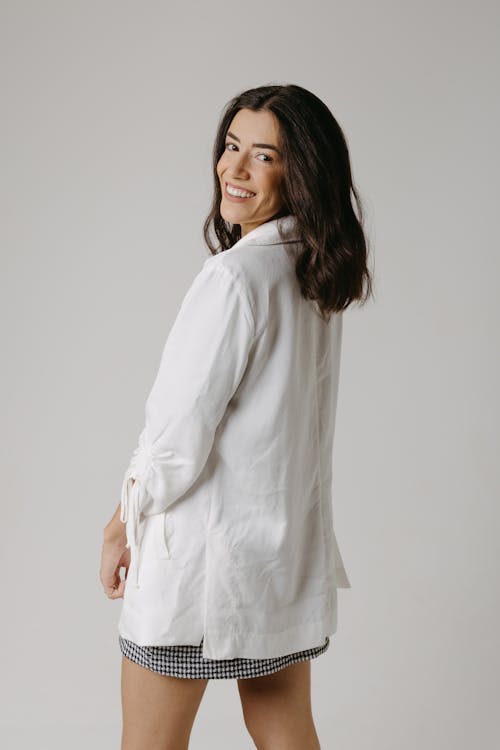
(267, 158)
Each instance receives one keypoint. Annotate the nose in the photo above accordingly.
(238, 164)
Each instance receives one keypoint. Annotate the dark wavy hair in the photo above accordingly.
(316, 189)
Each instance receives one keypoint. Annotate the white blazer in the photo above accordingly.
(229, 520)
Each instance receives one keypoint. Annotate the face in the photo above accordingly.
(251, 162)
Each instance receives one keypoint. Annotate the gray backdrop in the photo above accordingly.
(109, 114)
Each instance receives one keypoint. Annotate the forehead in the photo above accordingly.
(255, 126)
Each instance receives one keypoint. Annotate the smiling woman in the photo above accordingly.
(232, 563)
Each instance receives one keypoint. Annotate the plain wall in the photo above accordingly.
(109, 114)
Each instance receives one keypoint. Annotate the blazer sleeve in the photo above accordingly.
(203, 361)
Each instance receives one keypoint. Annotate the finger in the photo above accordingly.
(117, 590)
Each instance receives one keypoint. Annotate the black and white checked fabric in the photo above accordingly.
(188, 661)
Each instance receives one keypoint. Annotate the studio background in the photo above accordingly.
(109, 114)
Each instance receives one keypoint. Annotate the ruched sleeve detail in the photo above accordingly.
(202, 364)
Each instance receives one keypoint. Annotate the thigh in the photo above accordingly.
(158, 710)
(277, 708)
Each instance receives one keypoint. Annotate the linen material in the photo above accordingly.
(230, 516)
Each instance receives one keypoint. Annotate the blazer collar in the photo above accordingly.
(268, 232)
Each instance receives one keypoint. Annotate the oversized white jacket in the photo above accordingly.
(229, 520)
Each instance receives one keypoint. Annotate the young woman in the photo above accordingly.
(225, 524)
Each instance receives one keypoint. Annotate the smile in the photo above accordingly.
(235, 192)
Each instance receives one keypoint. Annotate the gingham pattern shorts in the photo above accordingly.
(188, 661)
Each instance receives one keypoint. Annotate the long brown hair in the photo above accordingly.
(317, 185)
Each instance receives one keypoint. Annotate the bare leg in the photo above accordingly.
(158, 710)
(277, 709)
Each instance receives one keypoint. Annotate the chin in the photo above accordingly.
(233, 216)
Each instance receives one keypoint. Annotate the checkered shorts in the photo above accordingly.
(188, 661)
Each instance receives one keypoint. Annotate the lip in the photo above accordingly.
(238, 187)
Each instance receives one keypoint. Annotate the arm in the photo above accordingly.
(201, 366)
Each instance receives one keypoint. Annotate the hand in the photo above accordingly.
(115, 555)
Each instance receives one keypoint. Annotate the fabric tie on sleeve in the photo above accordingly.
(132, 500)
(130, 514)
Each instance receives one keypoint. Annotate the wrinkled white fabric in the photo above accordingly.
(228, 496)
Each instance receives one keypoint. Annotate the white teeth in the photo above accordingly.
(238, 193)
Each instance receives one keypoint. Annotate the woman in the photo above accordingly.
(232, 565)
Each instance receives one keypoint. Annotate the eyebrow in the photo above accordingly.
(259, 145)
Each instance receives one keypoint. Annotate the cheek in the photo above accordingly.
(222, 163)
(274, 188)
